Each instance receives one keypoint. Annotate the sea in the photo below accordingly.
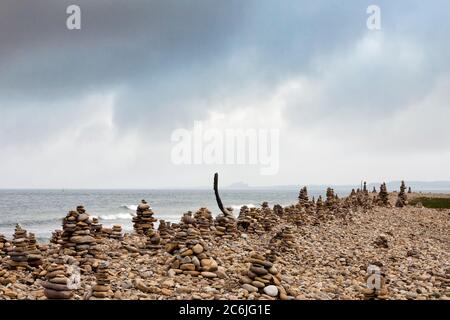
(42, 211)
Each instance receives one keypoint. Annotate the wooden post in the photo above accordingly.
(216, 191)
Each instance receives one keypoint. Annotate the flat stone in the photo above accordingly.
(208, 274)
(249, 288)
(271, 291)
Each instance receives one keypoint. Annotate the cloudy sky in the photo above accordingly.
(96, 107)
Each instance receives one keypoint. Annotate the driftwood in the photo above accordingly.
(216, 191)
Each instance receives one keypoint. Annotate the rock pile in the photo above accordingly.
(56, 236)
(203, 221)
(226, 226)
(278, 210)
(409, 190)
(34, 254)
(164, 230)
(402, 198)
(383, 196)
(285, 240)
(76, 239)
(96, 228)
(57, 281)
(249, 220)
(19, 254)
(143, 221)
(116, 232)
(3, 243)
(102, 288)
(303, 197)
(153, 240)
(263, 277)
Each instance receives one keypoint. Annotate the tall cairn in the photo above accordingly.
(3, 244)
(303, 197)
(102, 288)
(19, 254)
(57, 281)
(34, 254)
(143, 221)
(383, 196)
(402, 198)
(204, 221)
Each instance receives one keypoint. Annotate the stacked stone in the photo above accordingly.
(374, 190)
(56, 236)
(143, 221)
(402, 197)
(330, 200)
(263, 277)
(57, 280)
(153, 240)
(249, 220)
(102, 288)
(226, 226)
(181, 232)
(409, 190)
(96, 228)
(284, 240)
(303, 197)
(164, 231)
(76, 237)
(383, 196)
(116, 232)
(204, 221)
(278, 210)
(19, 254)
(192, 257)
(34, 254)
(3, 243)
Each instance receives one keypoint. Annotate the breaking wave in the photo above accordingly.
(117, 216)
(238, 207)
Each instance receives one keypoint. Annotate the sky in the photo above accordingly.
(98, 107)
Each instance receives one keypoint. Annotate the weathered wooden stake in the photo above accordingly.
(216, 191)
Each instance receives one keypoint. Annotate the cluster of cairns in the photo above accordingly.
(249, 220)
(19, 251)
(57, 281)
(102, 288)
(190, 251)
(402, 198)
(204, 221)
(76, 239)
(165, 231)
(226, 225)
(383, 196)
(262, 277)
(143, 221)
(33, 253)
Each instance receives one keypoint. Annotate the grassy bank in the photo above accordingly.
(432, 202)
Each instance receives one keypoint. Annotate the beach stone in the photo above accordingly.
(271, 290)
(249, 288)
(198, 248)
(207, 274)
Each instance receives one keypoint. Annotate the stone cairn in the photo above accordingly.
(383, 196)
(226, 225)
(153, 242)
(303, 199)
(143, 221)
(3, 244)
(204, 221)
(191, 257)
(284, 240)
(18, 253)
(249, 220)
(164, 230)
(409, 190)
(116, 232)
(102, 288)
(374, 190)
(402, 198)
(34, 254)
(278, 210)
(76, 239)
(96, 228)
(56, 236)
(262, 277)
(57, 281)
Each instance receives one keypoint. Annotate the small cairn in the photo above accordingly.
(102, 288)
(278, 210)
(143, 221)
(3, 243)
(284, 241)
(249, 220)
(191, 257)
(34, 254)
(331, 200)
(383, 196)
(56, 236)
(96, 228)
(263, 277)
(153, 240)
(57, 281)
(116, 232)
(374, 190)
(409, 190)
(226, 225)
(19, 254)
(164, 231)
(203, 221)
(303, 197)
(402, 198)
